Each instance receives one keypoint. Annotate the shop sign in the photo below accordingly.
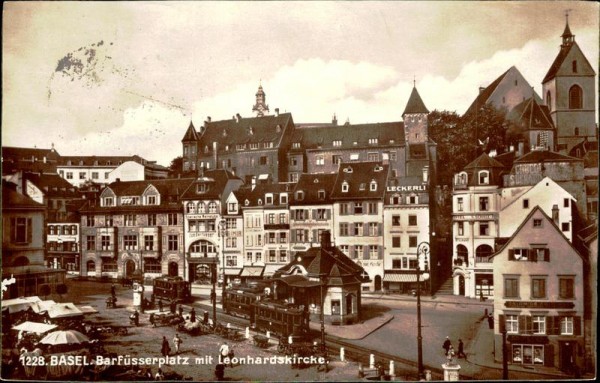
(539, 305)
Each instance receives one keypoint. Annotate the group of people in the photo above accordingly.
(165, 349)
(449, 349)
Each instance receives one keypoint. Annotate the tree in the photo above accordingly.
(176, 168)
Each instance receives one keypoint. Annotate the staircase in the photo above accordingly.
(447, 288)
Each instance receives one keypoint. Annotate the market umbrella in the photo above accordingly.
(63, 310)
(38, 328)
(65, 337)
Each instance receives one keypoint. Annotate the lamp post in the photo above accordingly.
(222, 232)
(422, 248)
(323, 281)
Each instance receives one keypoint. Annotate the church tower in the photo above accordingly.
(569, 93)
(190, 146)
(260, 107)
(416, 135)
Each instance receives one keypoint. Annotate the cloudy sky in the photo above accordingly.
(119, 78)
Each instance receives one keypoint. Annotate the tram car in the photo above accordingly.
(281, 319)
(171, 289)
(238, 302)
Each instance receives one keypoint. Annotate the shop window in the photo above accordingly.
(335, 307)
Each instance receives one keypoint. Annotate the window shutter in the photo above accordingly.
(351, 229)
(315, 238)
(501, 323)
(351, 252)
(98, 242)
(380, 251)
(547, 255)
(379, 229)
(13, 229)
(293, 235)
(511, 254)
(548, 355)
(306, 235)
(365, 252)
(314, 213)
(529, 322)
(328, 214)
(576, 325)
(522, 324)
(29, 230)
(164, 240)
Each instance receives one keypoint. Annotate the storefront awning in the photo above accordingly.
(252, 271)
(232, 272)
(400, 278)
(35, 327)
(271, 269)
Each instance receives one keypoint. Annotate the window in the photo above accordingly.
(151, 200)
(172, 243)
(373, 229)
(337, 142)
(81, 175)
(282, 255)
(172, 219)
(336, 159)
(484, 203)
(230, 223)
(320, 214)
(373, 186)
(109, 266)
(283, 199)
(21, 230)
(264, 160)
(269, 199)
(106, 175)
(152, 266)
(575, 97)
(484, 228)
(574, 66)
(231, 242)
(537, 223)
(109, 201)
(130, 242)
(90, 243)
(373, 251)
(566, 288)
(539, 324)
(271, 219)
(372, 157)
(412, 220)
(231, 261)
(299, 215)
(512, 324)
(232, 207)
(396, 242)
(272, 256)
(412, 241)
(345, 187)
(249, 256)
(70, 175)
(396, 263)
(459, 203)
(526, 203)
(151, 219)
(538, 288)
(296, 145)
(549, 100)
(320, 160)
(358, 251)
(283, 237)
(518, 254)
(484, 177)
(271, 238)
(148, 242)
(373, 141)
(321, 194)
(300, 237)
(105, 242)
(511, 287)
(344, 232)
(283, 218)
(412, 200)
(527, 354)
(358, 208)
(344, 208)
(299, 195)
(566, 202)
(345, 249)
(129, 219)
(565, 226)
(461, 228)
(395, 220)
(358, 229)
(258, 256)
(566, 326)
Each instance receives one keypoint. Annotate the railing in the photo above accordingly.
(486, 259)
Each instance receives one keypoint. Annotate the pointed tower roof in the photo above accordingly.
(415, 103)
(567, 33)
(531, 115)
(484, 161)
(190, 134)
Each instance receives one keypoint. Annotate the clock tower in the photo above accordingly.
(260, 107)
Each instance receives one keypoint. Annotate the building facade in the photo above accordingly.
(539, 279)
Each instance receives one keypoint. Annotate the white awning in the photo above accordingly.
(400, 278)
(271, 269)
(38, 328)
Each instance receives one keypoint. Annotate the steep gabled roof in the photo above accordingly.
(485, 94)
(190, 134)
(216, 179)
(358, 176)
(310, 184)
(11, 199)
(52, 185)
(536, 156)
(349, 136)
(259, 192)
(558, 61)
(484, 161)
(415, 104)
(531, 115)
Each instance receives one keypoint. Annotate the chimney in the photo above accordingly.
(334, 120)
(253, 183)
(511, 148)
(208, 119)
(276, 112)
(425, 174)
(118, 180)
(237, 117)
(326, 239)
(481, 89)
(555, 215)
(215, 147)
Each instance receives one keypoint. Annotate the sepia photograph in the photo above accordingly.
(297, 191)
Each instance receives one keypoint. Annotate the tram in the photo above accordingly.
(282, 319)
(171, 289)
(238, 302)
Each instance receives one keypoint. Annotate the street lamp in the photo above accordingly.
(222, 232)
(422, 248)
(323, 282)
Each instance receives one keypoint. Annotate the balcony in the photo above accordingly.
(487, 259)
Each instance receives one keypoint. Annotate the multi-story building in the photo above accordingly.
(23, 246)
(475, 207)
(252, 148)
(135, 228)
(406, 210)
(78, 170)
(569, 90)
(63, 240)
(357, 198)
(234, 235)
(207, 232)
(311, 210)
(28, 160)
(538, 276)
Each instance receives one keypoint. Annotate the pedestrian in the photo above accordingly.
(160, 305)
(490, 319)
(461, 350)
(136, 318)
(165, 349)
(159, 375)
(193, 315)
(224, 350)
(450, 355)
(180, 310)
(113, 290)
(481, 298)
(173, 307)
(151, 320)
(177, 342)
(447, 344)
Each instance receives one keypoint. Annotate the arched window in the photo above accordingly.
(484, 177)
(549, 100)
(462, 254)
(212, 207)
(191, 207)
(201, 208)
(483, 253)
(91, 266)
(575, 97)
(574, 65)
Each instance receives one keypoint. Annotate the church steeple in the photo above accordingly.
(415, 104)
(567, 37)
(260, 107)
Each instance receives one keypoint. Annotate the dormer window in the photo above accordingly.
(283, 199)
(348, 170)
(373, 186)
(278, 129)
(461, 178)
(108, 201)
(299, 195)
(246, 203)
(337, 143)
(224, 132)
(151, 200)
(362, 186)
(69, 163)
(296, 145)
(80, 163)
(484, 177)
(260, 202)
(373, 141)
(269, 199)
(254, 146)
(321, 194)
(250, 130)
(202, 188)
(345, 187)
(395, 199)
(205, 148)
